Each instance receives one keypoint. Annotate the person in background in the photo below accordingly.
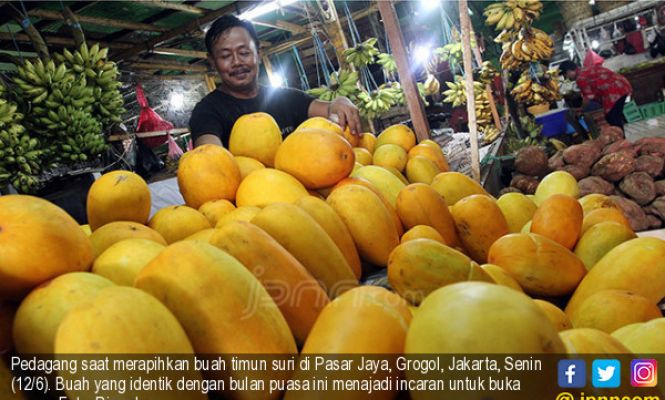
(233, 50)
(601, 85)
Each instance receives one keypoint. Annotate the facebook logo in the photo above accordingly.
(572, 373)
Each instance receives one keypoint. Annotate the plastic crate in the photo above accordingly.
(553, 122)
(652, 110)
(632, 112)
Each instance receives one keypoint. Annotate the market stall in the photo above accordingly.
(474, 240)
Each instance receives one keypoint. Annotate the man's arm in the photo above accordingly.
(347, 113)
(207, 138)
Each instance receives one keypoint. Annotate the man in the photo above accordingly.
(601, 85)
(233, 51)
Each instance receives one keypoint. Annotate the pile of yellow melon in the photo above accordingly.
(267, 253)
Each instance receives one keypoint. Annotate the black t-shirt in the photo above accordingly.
(217, 112)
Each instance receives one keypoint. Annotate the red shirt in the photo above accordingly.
(603, 85)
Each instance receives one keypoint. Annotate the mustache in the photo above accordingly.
(240, 71)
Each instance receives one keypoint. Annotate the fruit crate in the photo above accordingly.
(652, 110)
(632, 112)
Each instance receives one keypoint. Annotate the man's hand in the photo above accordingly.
(347, 114)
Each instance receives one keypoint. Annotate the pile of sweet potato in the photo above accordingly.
(633, 174)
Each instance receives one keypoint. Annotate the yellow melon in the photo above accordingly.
(107, 235)
(118, 196)
(177, 222)
(459, 318)
(557, 317)
(363, 156)
(501, 277)
(256, 135)
(421, 169)
(383, 180)
(203, 235)
(558, 182)
(122, 261)
(38, 241)
(591, 341)
(390, 155)
(244, 213)
(207, 173)
(436, 156)
(247, 165)
(422, 232)
(517, 209)
(368, 141)
(398, 134)
(118, 321)
(317, 158)
(86, 229)
(644, 337)
(215, 209)
(429, 142)
(455, 186)
(267, 186)
(609, 310)
(41, 312)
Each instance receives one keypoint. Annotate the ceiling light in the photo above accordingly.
(265, 8)
(276, 80)
(177, 100)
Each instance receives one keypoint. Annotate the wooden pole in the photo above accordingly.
(172, 5)
(465, 23)
(35, 37)
(268, 66)
(72, 21)
(488, 89)
(113, 23)
(336, 33)
(168, 67)
(210, 82)
(413, 100)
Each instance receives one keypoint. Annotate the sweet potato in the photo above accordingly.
(657, 208)
(652, 165)
(620, 146)
(636, 216)
(613, 167)
(654, 222)
(579, 171)
(660, 187)
(531, 160)
(639, 186)
(556, 162)
(654, 146)
(582, 155)
(595, 184)
(610, 134)
(526, 184)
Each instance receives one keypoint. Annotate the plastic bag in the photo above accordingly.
(175, 152)
(150, 121)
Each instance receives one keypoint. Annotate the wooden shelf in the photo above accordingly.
(141, 135)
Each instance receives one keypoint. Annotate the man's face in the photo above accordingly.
(571, 74)
(235, 57)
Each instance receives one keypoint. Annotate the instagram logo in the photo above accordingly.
(643, 373)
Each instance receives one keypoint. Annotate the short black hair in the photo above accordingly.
(224, 23)
(567, 66)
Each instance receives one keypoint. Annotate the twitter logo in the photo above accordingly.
(606, 374)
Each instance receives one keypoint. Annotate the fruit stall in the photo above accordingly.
(476, 216)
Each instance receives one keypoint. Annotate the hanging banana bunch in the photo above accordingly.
(536, 90)
(362, 54)
(20, 154)
(432, 85)
(512, 14)
(396, 90)
(377, 102)
(102, 76)
(487, 73)
(387, 62)
(342, 83)
(532, 45)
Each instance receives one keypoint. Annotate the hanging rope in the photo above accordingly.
(304, 84)
(355, 35)
(18, 49)
(326, 65)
